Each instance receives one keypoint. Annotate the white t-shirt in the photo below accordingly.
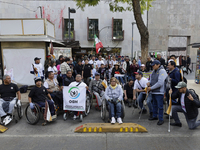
(91, 62)
(39, 68)
(114, 62)
(93, 72)
(54, 70)
(183, 102)
(76, 83)
(143, 82)
(99, 62)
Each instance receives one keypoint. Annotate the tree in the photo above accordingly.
(138, 7)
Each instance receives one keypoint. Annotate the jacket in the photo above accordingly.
(175, 78)
(124, 65)
(148, 66)
(96, 86)
(116, 93)
(157, 81)
(64, 67)
(190, 106)
(162, 61)
(68, 80)
(114, 70)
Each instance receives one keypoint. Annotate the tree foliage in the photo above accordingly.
(116, 5)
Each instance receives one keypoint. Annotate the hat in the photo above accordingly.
(142, 65)
(36, 58)
(155, 62)
(37, 79)
(139, 72)
(181, 85)
(97, 74)
(116, 64)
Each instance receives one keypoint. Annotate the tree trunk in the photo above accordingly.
(144, 33)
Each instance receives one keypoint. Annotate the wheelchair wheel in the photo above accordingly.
(103, 110)
(65, 116)
(32, 115)
(123, 110)
(87, 107)
(19, 111)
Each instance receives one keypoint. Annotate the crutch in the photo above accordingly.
(144, 104)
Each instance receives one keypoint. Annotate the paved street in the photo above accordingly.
(60, 134)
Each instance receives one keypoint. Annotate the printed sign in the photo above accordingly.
(74, 98)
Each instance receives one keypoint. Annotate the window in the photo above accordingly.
(93, 28)
(118, 33)
(68, 25)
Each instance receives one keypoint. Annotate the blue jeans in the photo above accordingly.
(112, 109)
(51, 106)
(140, 99)
(149, 102)
(192, 124)
(120, 79)
(158, 105)
(63, 78)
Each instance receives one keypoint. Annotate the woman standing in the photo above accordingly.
(53, 68)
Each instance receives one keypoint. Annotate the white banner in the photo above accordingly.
(74, 98)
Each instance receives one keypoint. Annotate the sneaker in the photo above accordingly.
(74, 117)
(113, 120)
(7, 120)
(54, 117)
(176, 124)
(129, 105)
(135, 106)
(119, 120)
(160, 122)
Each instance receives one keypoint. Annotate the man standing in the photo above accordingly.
(37, 68)
(126, 68)
(93, 62)
(128, 92)
(157, 86)
(139, 87)
(162, 61)
(174, 77)
(64, 67)
(86, 72)
(97, 88)
(188, 104)
(188, 63)
(8, 92)
(148, 64)
(99, 62)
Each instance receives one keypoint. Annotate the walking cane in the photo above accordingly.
(170, 107)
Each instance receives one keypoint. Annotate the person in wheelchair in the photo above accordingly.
(114, 95)
(52, 86)
(39, 94)
(139, 86)
(97, 88)
(69, 78)
(78, 82)
(8, 92)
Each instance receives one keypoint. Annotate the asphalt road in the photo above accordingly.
(60, 135)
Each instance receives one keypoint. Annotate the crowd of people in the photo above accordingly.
(125, 80)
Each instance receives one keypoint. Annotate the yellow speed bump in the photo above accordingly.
(3, 129)
(107, 127)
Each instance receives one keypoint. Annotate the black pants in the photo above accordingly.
(188, 68)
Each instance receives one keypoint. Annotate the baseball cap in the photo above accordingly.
(181, 85)
(139, 72)
(36, 58)
(37, 79)
(142, 65)
(155, 62)
(97, 74)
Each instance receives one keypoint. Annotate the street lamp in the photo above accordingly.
(70, 10)
(132, 39)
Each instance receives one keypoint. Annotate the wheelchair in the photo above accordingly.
(105, 107)
(33, 115)
(70, 114)
(17, 112)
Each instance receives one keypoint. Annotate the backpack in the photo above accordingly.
(23, 89)
(193, 91)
